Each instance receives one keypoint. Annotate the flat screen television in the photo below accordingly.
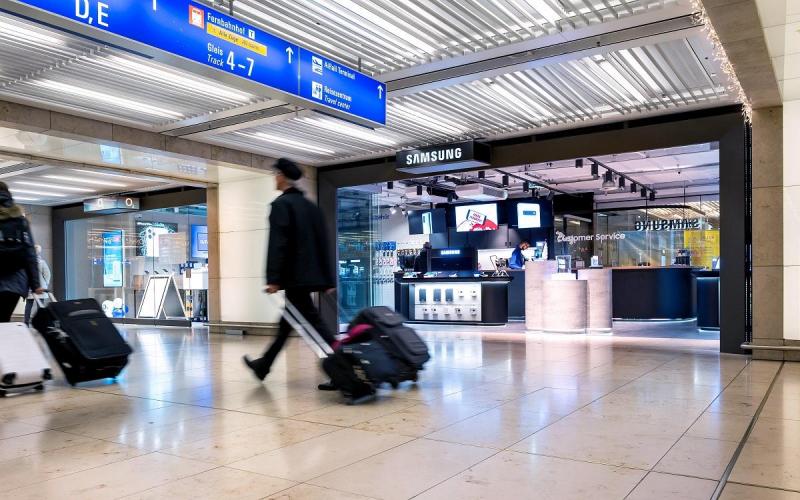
(529, 215)
(147, 234)
(470, 218)
(427, 221)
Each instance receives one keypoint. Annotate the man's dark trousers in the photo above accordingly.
(301, 300)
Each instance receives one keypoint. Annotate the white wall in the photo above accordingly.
(395, 228)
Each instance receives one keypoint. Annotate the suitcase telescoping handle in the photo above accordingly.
(306, 330)
(40, 304)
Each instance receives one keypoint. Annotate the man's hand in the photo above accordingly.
(39, 291)
(270, 289)
(330, 291)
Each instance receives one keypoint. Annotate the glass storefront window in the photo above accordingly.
(111, 258)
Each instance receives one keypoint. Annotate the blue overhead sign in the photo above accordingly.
(207, 36)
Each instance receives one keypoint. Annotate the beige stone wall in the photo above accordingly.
(768, 262)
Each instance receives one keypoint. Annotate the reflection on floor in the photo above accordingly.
(498, 415)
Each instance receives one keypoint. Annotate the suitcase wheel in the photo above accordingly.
(39, 387)
(394, 384)
(8, 378)
(47, 374)
(3, 393)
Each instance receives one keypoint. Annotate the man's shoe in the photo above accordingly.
(260, 375)
(327, 386)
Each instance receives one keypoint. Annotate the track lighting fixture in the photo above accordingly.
(595, 170)
(482, 174)
(390, 185)
(634, 188)
(579, 163)
(622, 182)
(505, 181)
(608, 181)
(550, 196)
(652, 196)
(419, 190)
(643, 193)
(526, 187)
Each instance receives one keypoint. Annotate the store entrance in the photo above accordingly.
(135, 242)
(624, 245)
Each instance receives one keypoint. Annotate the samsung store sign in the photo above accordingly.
(444, 158)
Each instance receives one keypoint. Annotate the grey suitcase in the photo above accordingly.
(23, 366)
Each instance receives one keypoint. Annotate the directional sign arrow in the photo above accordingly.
(289, 53)
(380, 91)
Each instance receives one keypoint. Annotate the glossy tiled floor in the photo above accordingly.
(496, 415)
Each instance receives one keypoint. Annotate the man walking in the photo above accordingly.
(298, 260)
(44, 281)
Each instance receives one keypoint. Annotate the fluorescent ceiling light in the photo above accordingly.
(106, 98)
(84, 180)
(176, 79)
(351, 130)
(25, 198)
(38, 193)
(546, 11)
(54, 186)
(36, 37)
(118, 176)
(291, 143)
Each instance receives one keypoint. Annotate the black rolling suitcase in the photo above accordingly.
(400, 341)
(83, 340)
(349, 367)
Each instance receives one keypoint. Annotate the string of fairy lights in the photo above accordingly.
(702, 18)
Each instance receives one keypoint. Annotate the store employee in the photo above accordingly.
(517, 260)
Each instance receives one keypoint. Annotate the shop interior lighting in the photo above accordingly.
(525, 187)
(640, 70)
(38, 193)
(595, 170)
(617, 78)
(634, 188)
(643, 193)
(579, 163)
(291, 143)
(390, 185)
(26, 198)
(419, 190)
(84, 180)
(545, 10)
(505, 181)
(652, 196)
(622, 182)
(482, 174)
(351, 131)
(121, 102)
(393, 210)
(178, 80)
(608, 181)
(53, 186)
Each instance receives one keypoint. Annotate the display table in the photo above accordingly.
(535, 274)
(599, 287)
(564, 305)
(467, 300)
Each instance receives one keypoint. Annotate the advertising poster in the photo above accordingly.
(199, 242)
(703, 245)
(476, 218)
(113, 256)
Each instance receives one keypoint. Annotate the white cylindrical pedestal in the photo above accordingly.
(599, 298)
(564, 306)
(535, 273)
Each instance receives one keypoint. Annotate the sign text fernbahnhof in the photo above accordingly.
(204, 35)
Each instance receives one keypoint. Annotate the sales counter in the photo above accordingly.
(653, 293)
(459, 300)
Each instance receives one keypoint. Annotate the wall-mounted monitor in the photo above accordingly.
(529, 215)
(199, 241)
(470, 218)
(427, 221)
(147, 234)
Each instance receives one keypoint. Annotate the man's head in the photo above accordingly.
(287, 173)
(38, 249)
(524, 245)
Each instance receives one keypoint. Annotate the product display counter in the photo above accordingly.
(463, 300)
(642, 293)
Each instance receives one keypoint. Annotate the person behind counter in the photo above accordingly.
(517, 260)
(421, 261)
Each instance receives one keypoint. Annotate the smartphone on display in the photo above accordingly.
(423, 295)
(448, 295)
(437, 295)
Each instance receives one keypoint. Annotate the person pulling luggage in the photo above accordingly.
(44, 282)
(19, 265)
(298, 261)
